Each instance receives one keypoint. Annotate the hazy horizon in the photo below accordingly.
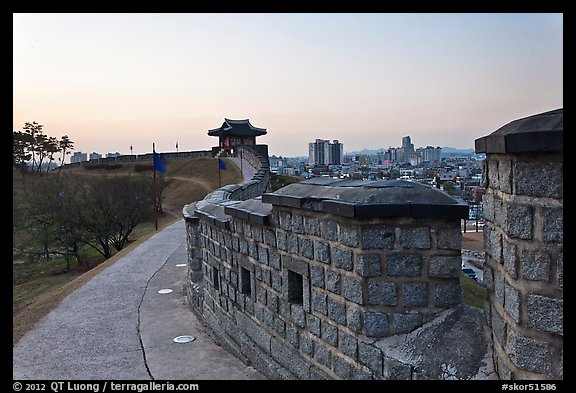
(110, 81)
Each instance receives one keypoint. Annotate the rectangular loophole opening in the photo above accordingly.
(245, 284)
(215, 278)
(295, 288)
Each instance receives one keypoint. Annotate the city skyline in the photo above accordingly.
(365, 79)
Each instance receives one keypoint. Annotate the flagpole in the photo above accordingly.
(219, 175)
(154, 188)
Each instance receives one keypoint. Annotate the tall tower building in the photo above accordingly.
(322, 152)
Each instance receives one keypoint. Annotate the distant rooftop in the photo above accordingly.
(241, 128)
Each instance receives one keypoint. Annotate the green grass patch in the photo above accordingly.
(473, 293)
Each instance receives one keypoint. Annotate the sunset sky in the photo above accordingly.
(109, 81)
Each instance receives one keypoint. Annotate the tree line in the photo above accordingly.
(31, 148)
(62, 214)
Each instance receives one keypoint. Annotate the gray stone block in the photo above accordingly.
(243, 246)
(272, 301)
(247, 230)
(505, 175)
(353, 319)
(317, 276)
(257, 235)
(329, 230)
(322, 354)
(333, 281)
(404, 265)
(329, 333)
(448, 295)
(263, 255)
(313, 323)
(341, 367)
(311, 226)
(306, 247)
(341, 258)
(297, 315)
(415, 294)
(270, 237)
(348, 235)
(297, 223)
(449, 238)
(405, 323)
(348, 344)
(322, 252)
(337, 311)
(352, 290)
(538, 179)
(276, 279)
(375, 324)
(377, 236)
(415, 237)
(528, 354)
(306, 345)
(493, 243)
(509, 255)
(518, 220)
(274, 259)
(319, 302)
(279, 327)
(268, 317)
(499, 287)
(553, 226)
(535, 265)
(499, 327)
(266, 277)
(493, 173)
(546, 314)
(382, 293)
(512, 302)
(445, 266)
(292, 244)
(285, 220)
(292, 336)
(252, 250)
(281, 240)
(368, 265)
(261, 295)
(296, 265)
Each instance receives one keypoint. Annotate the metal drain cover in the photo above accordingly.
(181, 265)
(184, 339)
(163, 291)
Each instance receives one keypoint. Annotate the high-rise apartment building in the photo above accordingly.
(322, 152)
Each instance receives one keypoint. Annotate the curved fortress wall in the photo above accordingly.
(332, 279)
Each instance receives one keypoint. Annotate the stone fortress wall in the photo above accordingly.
(332, 279)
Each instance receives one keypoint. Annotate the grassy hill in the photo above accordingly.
(38, 285)
(189, 180)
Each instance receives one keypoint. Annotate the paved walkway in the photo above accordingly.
(117, 326)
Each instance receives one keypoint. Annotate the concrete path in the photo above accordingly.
(117, 326)
(248, 171)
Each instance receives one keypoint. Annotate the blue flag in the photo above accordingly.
(221, 164)
(159, 163)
